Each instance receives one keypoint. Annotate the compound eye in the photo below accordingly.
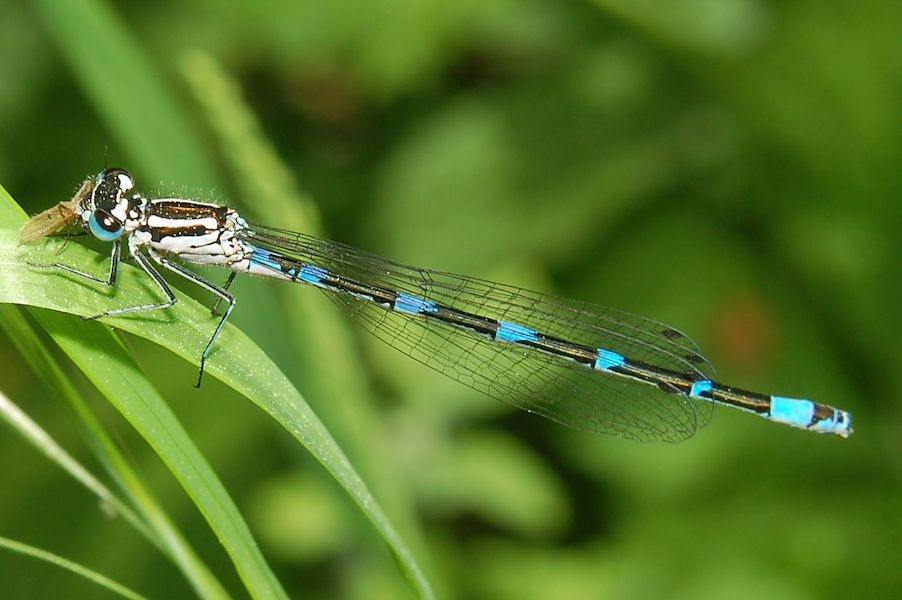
(104, 226)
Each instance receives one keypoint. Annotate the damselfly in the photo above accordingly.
(586, 366)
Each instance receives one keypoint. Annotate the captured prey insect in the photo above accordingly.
(586, 366)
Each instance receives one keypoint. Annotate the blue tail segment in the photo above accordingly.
(840, 423)
(608, 359)
(806, 414)
(699, 387)
(312, 274)
(512, 332)
(792, 411)
(264, 257)
(408, 303)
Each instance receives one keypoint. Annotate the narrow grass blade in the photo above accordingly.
(76, 568)
(40, 439)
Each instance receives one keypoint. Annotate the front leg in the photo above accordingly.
(115, 256)
(144, 263)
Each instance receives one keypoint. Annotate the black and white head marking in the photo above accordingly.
(109, 211)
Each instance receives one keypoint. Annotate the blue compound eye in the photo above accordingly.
(104, 226)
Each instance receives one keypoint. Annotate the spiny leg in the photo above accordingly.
(210, 287)
(155, 275)
(225, 287)
(115, 255)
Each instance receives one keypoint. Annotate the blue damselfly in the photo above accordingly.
(586, 366)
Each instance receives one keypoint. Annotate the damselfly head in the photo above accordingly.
(109, 205)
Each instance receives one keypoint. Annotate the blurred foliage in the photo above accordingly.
(726, 166)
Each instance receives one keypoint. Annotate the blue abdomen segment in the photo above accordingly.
(792, 411)
(840, 423)
(809, 415)
(700, 387)
(305, 272)
(264, 257)
(512, 332)
(608, 359)
(312, 274)
(408, 303)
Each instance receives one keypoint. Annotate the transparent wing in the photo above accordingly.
(556, 388)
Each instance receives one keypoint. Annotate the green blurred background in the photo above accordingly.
(730, 167)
